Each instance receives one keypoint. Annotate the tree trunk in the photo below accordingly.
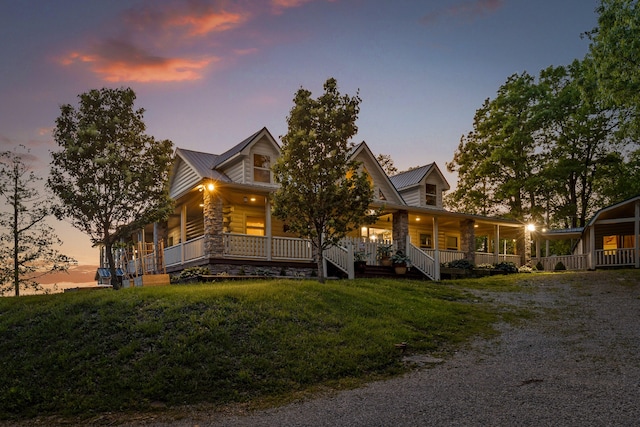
(16, 237)
(108, 247)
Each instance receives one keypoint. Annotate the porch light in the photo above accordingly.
(418, 218)
(531, 227)
(210, 186)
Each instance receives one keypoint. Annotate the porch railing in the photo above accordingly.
(184, 252)
(341, 257)
(615, 257)
(422, 261)
(445, 256)
(571, 262)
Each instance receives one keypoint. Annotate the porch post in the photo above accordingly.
(183, 231)
(212, 212)
(637, 234)
(468, 239)
(267, 225)
(591, 261)
(400, 228)
(436, 252)
(496, 244)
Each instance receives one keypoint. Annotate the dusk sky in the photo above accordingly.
(210, 73)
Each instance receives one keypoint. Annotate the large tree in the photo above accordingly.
(615, 47)
(323, 192)
(497, 162)
(111, 177)
(579, 142)
(28, 248)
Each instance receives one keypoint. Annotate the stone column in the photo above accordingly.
(212, 212)
(401, 229)
(468, 239)
(523, 246)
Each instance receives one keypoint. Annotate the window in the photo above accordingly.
(432, 195)
(261, 168)
(425, 240)
(255, 226)
(612, 243)
(452, 243)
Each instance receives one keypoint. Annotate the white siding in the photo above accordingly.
(184, 180)
(414, 196)
(236, 172)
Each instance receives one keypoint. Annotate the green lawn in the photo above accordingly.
(92, 352)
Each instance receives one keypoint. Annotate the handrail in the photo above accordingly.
(420, 260)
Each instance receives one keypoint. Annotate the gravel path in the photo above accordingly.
(578, 364)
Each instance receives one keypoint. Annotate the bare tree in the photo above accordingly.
(28, 250)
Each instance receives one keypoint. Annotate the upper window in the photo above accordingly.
(261, 168)
(432, 195)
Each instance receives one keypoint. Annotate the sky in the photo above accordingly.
(209, 73)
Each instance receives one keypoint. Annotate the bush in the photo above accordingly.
(459, 263)
(507, 267)
(559, 266)
(193, 273)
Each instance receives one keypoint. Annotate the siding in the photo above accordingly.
(184, 180)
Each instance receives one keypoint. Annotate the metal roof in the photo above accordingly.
(410, 177)
(236, 149)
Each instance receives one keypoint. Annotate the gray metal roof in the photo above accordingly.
(411, 177)
(235, 150)
(203, 164)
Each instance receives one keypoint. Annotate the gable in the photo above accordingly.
(239, 162)
(183, 179)
(384, 191)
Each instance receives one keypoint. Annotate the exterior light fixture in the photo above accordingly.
(210, 186)
(531, 227)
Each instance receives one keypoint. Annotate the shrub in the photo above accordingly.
(485, 266)
(459, 263)
(559, 266)
(507, 267)
(193, 273)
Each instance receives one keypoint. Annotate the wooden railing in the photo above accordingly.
(570, 262)
(445, 256)
(184, 252)
(615, 257)
(422, 261)
(291, 248)
(341, 257)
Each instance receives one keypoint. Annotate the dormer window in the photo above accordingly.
(431, 195)
(261, 168)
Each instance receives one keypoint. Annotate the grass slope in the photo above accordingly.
(93, 352)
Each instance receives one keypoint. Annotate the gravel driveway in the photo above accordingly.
(577, 364)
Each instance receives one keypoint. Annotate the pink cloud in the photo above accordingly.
(119, 61)
(469, 10)
(278, 6)
(201, 25)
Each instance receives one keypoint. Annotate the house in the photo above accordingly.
(610, 239)
(222, 219)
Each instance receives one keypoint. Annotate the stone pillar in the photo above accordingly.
(212, 212)
(523, 246)
(468, 239)
(401, 229)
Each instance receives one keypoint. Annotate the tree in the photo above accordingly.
(323, 193)
(579, 142)
(28, 250)
(615, 48)
(111, 177)
(386, 162)
(497, 162)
